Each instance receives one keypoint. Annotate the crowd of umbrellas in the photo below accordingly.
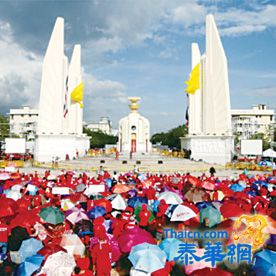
(113, 224)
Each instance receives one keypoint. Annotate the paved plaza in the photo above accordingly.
(154, 163)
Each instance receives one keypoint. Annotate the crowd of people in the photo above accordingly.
(113, 223)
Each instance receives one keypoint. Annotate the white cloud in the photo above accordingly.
(242, 30)
(20, 77)
(104, 98)
(103, 45)
(267, 92)
(188, 14)
(20, 72)
(232, 21)
(241, 22)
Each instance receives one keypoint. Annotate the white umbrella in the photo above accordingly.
(14, 194)
(4, 176)
(73, 244)
(60, 263)
(269, 153)
(182, 213)
(16, 187)
(66, 204)
(170, 198)
(117, 202)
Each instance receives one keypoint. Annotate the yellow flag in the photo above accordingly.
(194, 82)
(77, 94)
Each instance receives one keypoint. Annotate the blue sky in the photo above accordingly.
(138, 48)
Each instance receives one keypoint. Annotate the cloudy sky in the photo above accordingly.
(138, 48)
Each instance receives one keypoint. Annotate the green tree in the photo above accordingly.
(4, 127)
(100, 139)
(170, 138)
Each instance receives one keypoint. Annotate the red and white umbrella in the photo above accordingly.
(182, 213)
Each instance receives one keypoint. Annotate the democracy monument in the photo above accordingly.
(134, 131)
(60, 117)
(210, 136)
(60, 121)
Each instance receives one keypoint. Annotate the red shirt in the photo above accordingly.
(4, 230)
(144, 217)
(101, 259)
(37, 200)
(150, 193)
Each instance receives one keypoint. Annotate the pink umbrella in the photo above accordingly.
(132, 237)
(75, 215)
(116, 253)
(208, 185)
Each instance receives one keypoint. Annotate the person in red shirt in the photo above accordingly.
(101, 257)
(37, 200)
(144, 216)
(98, 227)
(82, 267)
(162, 208)
(118, 225)
(4, 231)
(151, 195)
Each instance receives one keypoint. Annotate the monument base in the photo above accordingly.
(209, 148)
(50, 147)
(140, 147)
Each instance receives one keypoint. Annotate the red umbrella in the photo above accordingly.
(8, 207)
(210, 272)
(229, 210)
(50, 249)
(194, 181)
(104, 203)
(132, 237)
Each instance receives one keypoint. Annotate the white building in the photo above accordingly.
(134, 131)
(210, 131)
(104, 125)
(247, 122)
(23, 122)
